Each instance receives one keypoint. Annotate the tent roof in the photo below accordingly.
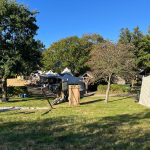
(66, 70)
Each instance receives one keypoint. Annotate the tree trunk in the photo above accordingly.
(86, 86)
(132, 83)
(4, 90)
(108, 89)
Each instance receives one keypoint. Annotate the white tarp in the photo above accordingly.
(145, 92)
(50, 72)
(66, 75)
(66, 70)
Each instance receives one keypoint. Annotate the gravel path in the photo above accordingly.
(3, 109)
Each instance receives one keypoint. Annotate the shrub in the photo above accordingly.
(115, 88)
(15, 91)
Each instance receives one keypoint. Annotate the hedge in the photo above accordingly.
(115, 88)
(14, 91)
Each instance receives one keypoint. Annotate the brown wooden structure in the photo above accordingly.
(16, 82)
(74, 95)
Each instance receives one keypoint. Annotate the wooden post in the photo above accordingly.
(44, 93)
(74, 95)
(4, 90)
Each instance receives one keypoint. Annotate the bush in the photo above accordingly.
(114, 89)
(15, 91)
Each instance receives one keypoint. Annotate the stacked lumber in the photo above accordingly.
(16, 82)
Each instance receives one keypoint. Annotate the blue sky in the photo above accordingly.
(58, 19)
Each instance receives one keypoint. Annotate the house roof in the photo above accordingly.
(88, 74)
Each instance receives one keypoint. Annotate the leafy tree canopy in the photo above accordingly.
(141, 46)
(125, 36)
(144, 54)
(19, 51)
(93, 38)
(108, 59)
(71, 52)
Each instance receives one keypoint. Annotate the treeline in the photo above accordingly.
(127, 58)
(75, 53)
(72, 52)
(141, 45)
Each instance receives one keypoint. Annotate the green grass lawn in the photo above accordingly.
(120, 124)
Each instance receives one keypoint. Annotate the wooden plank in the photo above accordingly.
(16, 82)
(74, 95)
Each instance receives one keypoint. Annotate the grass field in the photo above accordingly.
(121, 124)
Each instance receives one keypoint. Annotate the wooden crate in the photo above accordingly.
(74, 95)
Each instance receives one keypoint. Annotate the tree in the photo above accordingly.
(137, 36)
(20, 52)
(108, 59)
(93, 38)
(144, 53)
(125, 36)
(134, 38)
(70, 52)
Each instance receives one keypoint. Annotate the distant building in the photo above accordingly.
(119, 80)
(87, 78)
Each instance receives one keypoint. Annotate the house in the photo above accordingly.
(118, 80)
(87, 78)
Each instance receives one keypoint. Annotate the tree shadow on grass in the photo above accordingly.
(76, 132)
(24, 112)
(20, 100)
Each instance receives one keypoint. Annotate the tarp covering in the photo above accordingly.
(66, 70)
(66, 75)
(50, 72)
(145, 92)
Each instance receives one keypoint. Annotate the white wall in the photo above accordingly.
(145, 92)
